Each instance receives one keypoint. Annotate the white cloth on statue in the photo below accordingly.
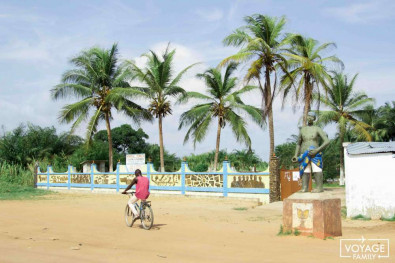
(316, 169)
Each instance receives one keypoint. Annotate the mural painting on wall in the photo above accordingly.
(41, 179)
(166, 179)
(126, 179)
(58, 179)
(105, 179)
(80, 179)
(204, 180)
(247, 181)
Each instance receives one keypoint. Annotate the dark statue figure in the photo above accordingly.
(308, 153)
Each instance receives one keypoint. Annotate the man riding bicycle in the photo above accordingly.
(142, 190)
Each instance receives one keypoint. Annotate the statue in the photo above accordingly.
(310, 159)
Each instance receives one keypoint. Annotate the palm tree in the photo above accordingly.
(308, 67)
(262, 43)
(244, 160)
(98, 81)
(344, 107)
(373, 118)
(221, 104)
(159, 87)
(387, 120)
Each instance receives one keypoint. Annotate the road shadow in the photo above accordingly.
(155, 226)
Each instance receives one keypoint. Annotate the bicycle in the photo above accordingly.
(145, 213)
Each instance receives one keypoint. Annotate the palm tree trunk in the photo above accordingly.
(307, 98)
(341, 139)
(271, 131)
(217, 144)
(162, 162)
(110, 162)
(269, 105)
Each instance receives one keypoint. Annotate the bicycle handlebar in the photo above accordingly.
(129, 193)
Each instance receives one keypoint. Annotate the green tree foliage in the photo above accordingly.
(262, 44)
(202, 162)
(387, 116)
(285, 152)
(99, 81)
(125, 139)
(172, 162)
(308, 69)
(159, 86)
(246, 161)
(97, 150)
(381, 121)
(331, 158)
(28, 143)
(241, 160)
(345, 105)
(222, 104)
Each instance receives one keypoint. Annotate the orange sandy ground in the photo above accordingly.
(86, 227)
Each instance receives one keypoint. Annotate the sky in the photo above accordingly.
(38, 38)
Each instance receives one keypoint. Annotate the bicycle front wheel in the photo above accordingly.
(147, 217)
(129, 216)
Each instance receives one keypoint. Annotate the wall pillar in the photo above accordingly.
(275, 190)
(35, 174)
(118, 175)
(69, 167)
(149, 164)
(92, 178)
(183, 166)
(225, 177)
(48, 167)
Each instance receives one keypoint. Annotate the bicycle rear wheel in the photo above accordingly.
(147, 217)
(129, 216)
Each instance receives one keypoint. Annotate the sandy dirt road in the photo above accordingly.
(86, 227)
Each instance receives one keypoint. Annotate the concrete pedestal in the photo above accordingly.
(314, 214)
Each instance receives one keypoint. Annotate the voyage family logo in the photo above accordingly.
(362, 248)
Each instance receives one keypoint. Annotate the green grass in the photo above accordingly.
(16, 182)
(360, 217)
(281, 232)
(392, 219)
(240, 208)
(16, 174)
(9, 191)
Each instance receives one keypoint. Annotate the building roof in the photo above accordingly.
(370, 147)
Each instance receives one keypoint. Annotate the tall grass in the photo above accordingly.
(16, 182)
(16, 174)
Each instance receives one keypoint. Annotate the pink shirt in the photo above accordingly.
(142, 187)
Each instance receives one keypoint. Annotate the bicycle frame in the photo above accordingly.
(141, 212)
(140, 206)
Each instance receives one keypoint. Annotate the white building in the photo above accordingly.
(100, 165)
(370, 179)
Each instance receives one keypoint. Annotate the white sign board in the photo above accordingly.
(295, 176)
(135, 161)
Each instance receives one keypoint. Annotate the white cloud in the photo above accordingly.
(210, 15)
(366, 12)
